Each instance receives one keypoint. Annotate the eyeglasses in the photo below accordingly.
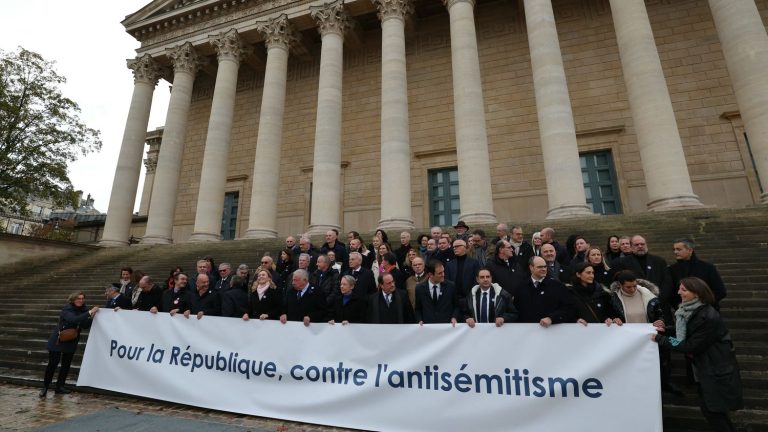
(223, 270)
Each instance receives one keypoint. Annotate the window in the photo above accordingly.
(444, 196)
(600, 184)
(229, 218)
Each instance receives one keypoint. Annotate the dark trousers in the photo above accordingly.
(719, 421)
(53, 360)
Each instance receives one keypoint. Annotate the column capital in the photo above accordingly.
(393, 8)
(145, 69)
(184, 58)
(449, 3)
(229, 46)
(278, 32)
(150, 163)
(331, 18)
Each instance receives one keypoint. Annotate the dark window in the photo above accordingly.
(444, 196)
(229, 218)
(600, 184)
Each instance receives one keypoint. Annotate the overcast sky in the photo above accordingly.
(90, 46)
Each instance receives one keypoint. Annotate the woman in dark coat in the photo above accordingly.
(75, 315)
(284, 266)
(702, 335)
(347, 308)
(593, 301)
(265, 299)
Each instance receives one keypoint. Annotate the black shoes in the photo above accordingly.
(63, 390)
(43, 392)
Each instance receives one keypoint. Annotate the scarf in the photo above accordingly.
(261, 289)
(683, 314)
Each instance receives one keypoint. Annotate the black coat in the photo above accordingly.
(353, 311)
(174, 300)
(326, 282)
(209, 303)
(651, 267)
(524, 254)
(709, 342)
(398, 312)
(508, 275)
(311, 304)
(365, 284)
(69, 317)
(500, 304)
(121, 301)
(447, 305)
(593, 303)
(694, 267)
(552, 299)
(152, 298)
(234, 303)
(471, 267)
(269, 304)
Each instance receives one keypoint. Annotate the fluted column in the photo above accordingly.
(150, 163)
(326, 171)
(213, 177)
(163, 203)
(395, 140)
(262, 222)
(119, 214)
(565, 188)
(745, 47)
(475, 196)
(661, 150)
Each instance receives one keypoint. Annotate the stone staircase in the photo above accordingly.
(735, 240)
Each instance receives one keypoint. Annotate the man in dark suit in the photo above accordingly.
(444, 252)
(436, 299)
(150, 296)
(405, 246)
(325, 278)
(503, 267)
(389, 262)
(548, 237)
(389, 305)
(305, 247)
(203, 300)
(462, 270)
(115, 299)
(523, 250)
(687, 265)
(332, 243)
(555, 270)
(366, 284)
(304, 303)
(644, 265)
(542, 299)
(225, 273)
(488, 302)
(174, 299)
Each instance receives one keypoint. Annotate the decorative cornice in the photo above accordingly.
(278, 32)
(393, 8)
(151, 164)
(229, 46)
(449, 3)
(145, 70)
(331, 18)
(184, 58)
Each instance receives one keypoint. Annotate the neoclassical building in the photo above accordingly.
(288, 116)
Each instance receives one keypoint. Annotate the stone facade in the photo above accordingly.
(706, 112)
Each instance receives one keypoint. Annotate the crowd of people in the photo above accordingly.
(459, 278)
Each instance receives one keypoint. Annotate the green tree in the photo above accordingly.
(40, 133)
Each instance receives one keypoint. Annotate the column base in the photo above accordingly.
(478, 218)
(321, 229)
(151, 240)
(570, 211)
(201, 237)
(764, 198)
(112, 243)
(395, 223)
(675, 203)
(260, 233)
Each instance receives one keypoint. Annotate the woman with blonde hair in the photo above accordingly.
(265, 299)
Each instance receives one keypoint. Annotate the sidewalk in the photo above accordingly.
(22, 410)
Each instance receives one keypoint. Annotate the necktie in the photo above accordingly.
(388, 298)
(298, 295)
(484, 308)
(536, 284)
(434, 293)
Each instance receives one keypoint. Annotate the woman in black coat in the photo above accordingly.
(702, 335)
(75, 315)
(265, 299)
(348, 308)
(593, 301)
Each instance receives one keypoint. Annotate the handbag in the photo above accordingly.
(67, 335)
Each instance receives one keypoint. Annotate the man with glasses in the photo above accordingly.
(542, 299)
(461, 270)
(225, 271)
(504, 268)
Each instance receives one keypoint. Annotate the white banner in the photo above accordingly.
(385, 377)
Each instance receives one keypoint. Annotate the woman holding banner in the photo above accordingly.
(702, 335)
(64, 339)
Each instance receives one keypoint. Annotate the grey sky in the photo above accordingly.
(90, 47)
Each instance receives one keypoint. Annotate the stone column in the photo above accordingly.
(150, 163)
(476, 200)
(162, 206)
(326, 172)
(395, 140)
(745, 47)
(661, 151)
(565, 188)
(213, 177)
(262, 220)
(118, 224)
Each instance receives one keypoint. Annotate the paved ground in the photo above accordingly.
(22, 410)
